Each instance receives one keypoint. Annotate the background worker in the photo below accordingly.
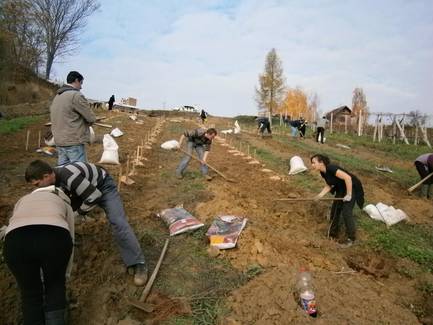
(263, 124)
(203, 116)
(200, 139)
(320, 129)
(111, 102)
(424, 166)
(71, 118)
(345, 185)
(88, 186)
(39, 240)
(302, 127)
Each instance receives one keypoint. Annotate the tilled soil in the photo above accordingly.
(354, 286)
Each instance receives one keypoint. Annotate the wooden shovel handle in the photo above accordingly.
(412, 188)
(213, 168)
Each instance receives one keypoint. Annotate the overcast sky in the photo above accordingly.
(210, 53)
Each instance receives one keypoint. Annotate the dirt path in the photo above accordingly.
(278, 240)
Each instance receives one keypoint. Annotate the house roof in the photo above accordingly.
(342, 110)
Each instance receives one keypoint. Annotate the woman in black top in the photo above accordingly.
(344, 185)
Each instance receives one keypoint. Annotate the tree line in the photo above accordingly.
(34, 33)
(273, 97)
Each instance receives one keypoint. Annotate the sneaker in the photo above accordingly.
(348, 243)
(140, 274)
(208, 178)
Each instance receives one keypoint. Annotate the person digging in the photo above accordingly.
(346, 186)
(89, 185)
(199, 139)
(424, 167)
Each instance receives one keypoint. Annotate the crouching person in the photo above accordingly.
(89, 185)
(39, 242)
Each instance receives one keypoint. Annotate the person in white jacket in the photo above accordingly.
(39, 243)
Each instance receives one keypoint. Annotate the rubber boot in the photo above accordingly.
(55, 317)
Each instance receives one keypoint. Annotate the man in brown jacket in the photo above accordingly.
(71, 118)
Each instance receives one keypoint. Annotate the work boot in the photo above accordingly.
(55, 317)
(208, 177)
(179, 176)
(140, 274)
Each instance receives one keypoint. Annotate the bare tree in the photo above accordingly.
(25, 42)
(359, 102)
(271, 85)
(61, 21)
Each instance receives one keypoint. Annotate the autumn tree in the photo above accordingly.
(298, 104)
(271, 85)
(60, 23)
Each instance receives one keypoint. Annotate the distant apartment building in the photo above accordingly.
(129, 101)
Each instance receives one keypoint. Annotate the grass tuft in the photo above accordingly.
(16, 124)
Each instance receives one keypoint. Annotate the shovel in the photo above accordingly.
(412, 188)
(213, 168)
(141, 303)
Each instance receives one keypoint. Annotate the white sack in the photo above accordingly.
(296, 165)
(171, 144)
(227, 131)
(385, 213)
(116, 133)
(50, 142)
(237, 128)
(110, 154)
(92, 135)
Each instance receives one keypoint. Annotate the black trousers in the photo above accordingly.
(27, 251)
(343, 210)
(321, 132)
(302, 131)
(423, 171)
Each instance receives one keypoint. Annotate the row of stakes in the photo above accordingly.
(247, 156)
(136, 159)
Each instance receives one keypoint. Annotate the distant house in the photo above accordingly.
(339, 115)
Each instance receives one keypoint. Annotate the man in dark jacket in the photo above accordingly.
(424, 167)
(200, 139)
(88, 186)
(111, 102)
(71, 118)
(263, 124)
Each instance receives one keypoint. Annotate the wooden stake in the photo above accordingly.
(39, 139)
(27, 140)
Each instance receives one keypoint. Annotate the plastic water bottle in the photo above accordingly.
(306, 292)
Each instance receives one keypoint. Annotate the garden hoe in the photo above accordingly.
(141, 303)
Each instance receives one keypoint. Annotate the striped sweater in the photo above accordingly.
(81, 181)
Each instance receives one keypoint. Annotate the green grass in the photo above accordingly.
(202, 280)
(411, 241)
(16, 124)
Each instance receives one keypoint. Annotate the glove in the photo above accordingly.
(347, 198)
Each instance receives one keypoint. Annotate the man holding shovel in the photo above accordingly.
(199, 139)
(424, 166)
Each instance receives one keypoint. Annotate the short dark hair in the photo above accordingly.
(36, 170)
(74, 75)
(212, 131)
(321, 158)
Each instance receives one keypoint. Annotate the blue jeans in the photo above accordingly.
(71, 154)
(294, 131)
(185, 160)
(111, 203)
